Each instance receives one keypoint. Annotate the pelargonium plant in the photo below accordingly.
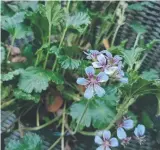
(61, 63)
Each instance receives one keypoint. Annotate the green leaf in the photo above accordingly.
(150, 75)
(57, 78)
(54, 50)
(137, 27)
(34, 79)
(151, 44)
(2, 54)
(53, 12)
(5, 91)
(146, 120)
(132, 56)
(77, 20)
(10, 23)
(138, 87)
(25, 96)
(11, 75)
(139, 6)
(69, 63)
(100, 110)
(22, 31)
(30, 141)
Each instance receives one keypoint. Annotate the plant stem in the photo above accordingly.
(13, 39)
(137, 39)
(63, 123)
(81, 117)
(42, 126)
(69, 1)
(115, 34)
(49, 41)
(56, 142)
(37, 116)
(55, 62)
(7, 103)
(123, 109)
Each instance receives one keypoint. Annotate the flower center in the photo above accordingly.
(93, 80)
(106, 143)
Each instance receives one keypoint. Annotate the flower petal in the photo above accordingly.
(99, 133)
(90, 71)
(100, 148)
(114, 142)
(128, 124)
(106, 135)
(111, 70)
(117, 58)
(99, 91)
(98, 140)
(108, 54)
(123, 80)
(107, 148)
(121, 134)
(102, 77)
(101, 58)
(96, 65)
(89, 92)
(140, 130)
(82, 81)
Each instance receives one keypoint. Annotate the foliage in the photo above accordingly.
(29, 142)
(139, 6)
(150, 75)
(34, 79)
(25, 96)
(100, 110)
(2, 55)
(11, 75)
(59, 35)
(138, 28)
(77, 20)
(69, 63)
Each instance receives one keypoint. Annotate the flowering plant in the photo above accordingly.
(65, 70)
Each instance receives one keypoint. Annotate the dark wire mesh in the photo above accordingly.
(150, 18)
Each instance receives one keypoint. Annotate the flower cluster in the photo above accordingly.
(110, 68)
(105, 142)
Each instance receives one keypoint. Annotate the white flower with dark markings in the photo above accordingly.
(92, 83)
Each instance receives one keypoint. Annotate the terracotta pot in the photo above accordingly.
(55, 106)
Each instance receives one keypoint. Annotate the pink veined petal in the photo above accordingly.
(101, 58)
(123, 80)
(89, 92)
(117, 58)
(136, 132)
(121, 134)
(141, 129)
(108, 54)
(97, 65)
(102, 77)
(114, 142)
(100, 148)
(90, 71)
(98, 90)
(82, 81)
(107, 148)
(98, 140)
(111, 70)
(106, 135)
(89, 57)
(128, 124)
